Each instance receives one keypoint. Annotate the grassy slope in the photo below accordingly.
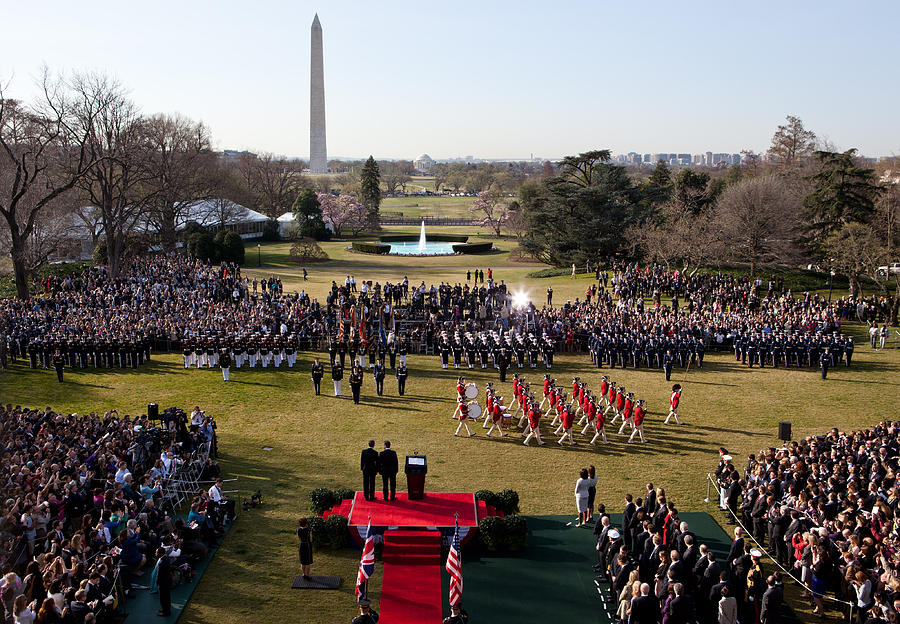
(316, 441)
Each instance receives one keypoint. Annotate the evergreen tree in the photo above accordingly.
(370, 190)
(580, 214)
(843, 192)
(658, 187)
(308, 215)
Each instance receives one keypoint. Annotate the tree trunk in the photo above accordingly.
(854, 285)
(113, 253)
(19, 269)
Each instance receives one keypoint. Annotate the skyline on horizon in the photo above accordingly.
(520, 80)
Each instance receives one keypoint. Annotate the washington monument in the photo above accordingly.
(318, 158)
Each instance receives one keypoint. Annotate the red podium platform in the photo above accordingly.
(436, 510)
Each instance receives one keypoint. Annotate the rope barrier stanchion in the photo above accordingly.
(766, 555)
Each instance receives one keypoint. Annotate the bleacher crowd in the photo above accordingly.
(88, 505)
(826, 509)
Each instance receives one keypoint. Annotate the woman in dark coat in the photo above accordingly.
(304, 535)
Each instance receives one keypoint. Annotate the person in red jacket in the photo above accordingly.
(548, 386)
(591, 413)
(523, 404)
(534, 419)
(674, 399)
(639, 413)
(604, 388)
(568, 419)
(463, 417)
(619, 405)
(599, 425)
(496, 417)
(628, 413)
(610, 398)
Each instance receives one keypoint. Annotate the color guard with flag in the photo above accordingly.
(366, 562)
(454, 568)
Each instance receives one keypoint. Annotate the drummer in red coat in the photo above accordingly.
(460, 394)
(639, 414)
(591, 413)
(534, 419)
(463, 417)
(619, 405)
(548, 385)
(674, 399)
(599, 426)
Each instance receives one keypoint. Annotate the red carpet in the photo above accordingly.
(435, 510)
(411, 583)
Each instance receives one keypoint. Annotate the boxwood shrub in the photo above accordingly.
(371, 248)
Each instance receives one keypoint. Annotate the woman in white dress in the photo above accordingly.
(581, 496)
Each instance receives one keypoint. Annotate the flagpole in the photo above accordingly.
(368, 529)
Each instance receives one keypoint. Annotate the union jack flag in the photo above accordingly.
(367, 561)
(454, 568)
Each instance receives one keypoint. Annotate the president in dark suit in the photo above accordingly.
(387, 464)
(368, 463)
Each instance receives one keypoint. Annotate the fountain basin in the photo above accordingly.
(417, 248)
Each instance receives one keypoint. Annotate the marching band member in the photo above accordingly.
(523, 403)
(496, 417)
(610, 398)
(639, 414)
(604, 388)
(460, 395)
(568, 419)
(628, 413)
(619, 404)
(547, 385)
(599, 426)
(488, 406)
(463, 417)
(591, 413)
(534, 419)
(673, 404)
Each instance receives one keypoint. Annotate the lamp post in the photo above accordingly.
(258, 255)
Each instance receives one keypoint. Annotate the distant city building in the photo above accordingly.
(423, 163)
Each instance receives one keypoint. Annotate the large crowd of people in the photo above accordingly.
(826, 509)
(85, 504)
(172, 302)
(660, 571)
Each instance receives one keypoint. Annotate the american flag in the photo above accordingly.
(367, 561)
(454, 568)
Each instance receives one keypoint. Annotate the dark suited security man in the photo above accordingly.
(368, 463)
(387, 464)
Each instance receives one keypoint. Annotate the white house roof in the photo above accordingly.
(286, 217)
(207, 212)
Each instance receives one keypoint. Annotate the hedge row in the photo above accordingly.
(499, 534)
(506, 501)
(556, 272)
(473, 248)
(443, 238)
(371, 248)
(321, 499)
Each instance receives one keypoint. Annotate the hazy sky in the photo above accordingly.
(487, 78)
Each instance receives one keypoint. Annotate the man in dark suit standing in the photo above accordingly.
(368, 463)
(645, 608)
(770, 611)
(737, 547)
(164, 582)
(387, 464)
(628, 520)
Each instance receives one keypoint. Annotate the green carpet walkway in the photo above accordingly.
(551, 579)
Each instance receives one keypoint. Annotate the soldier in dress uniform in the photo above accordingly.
(337, 374)
(568, 419)
(401, 379)
(599, 426)
(403, 348)
(392, 350)
(59, 362)
(379, 373)
(225, 363)
(503, 364)
(318, 371)
(667, 365)
(444, 350)
(356, 381)
(674, 399)
(366, 614)
(628, 413)
(825, 362)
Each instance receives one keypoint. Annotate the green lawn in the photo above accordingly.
(438, 206)
(316, 440)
